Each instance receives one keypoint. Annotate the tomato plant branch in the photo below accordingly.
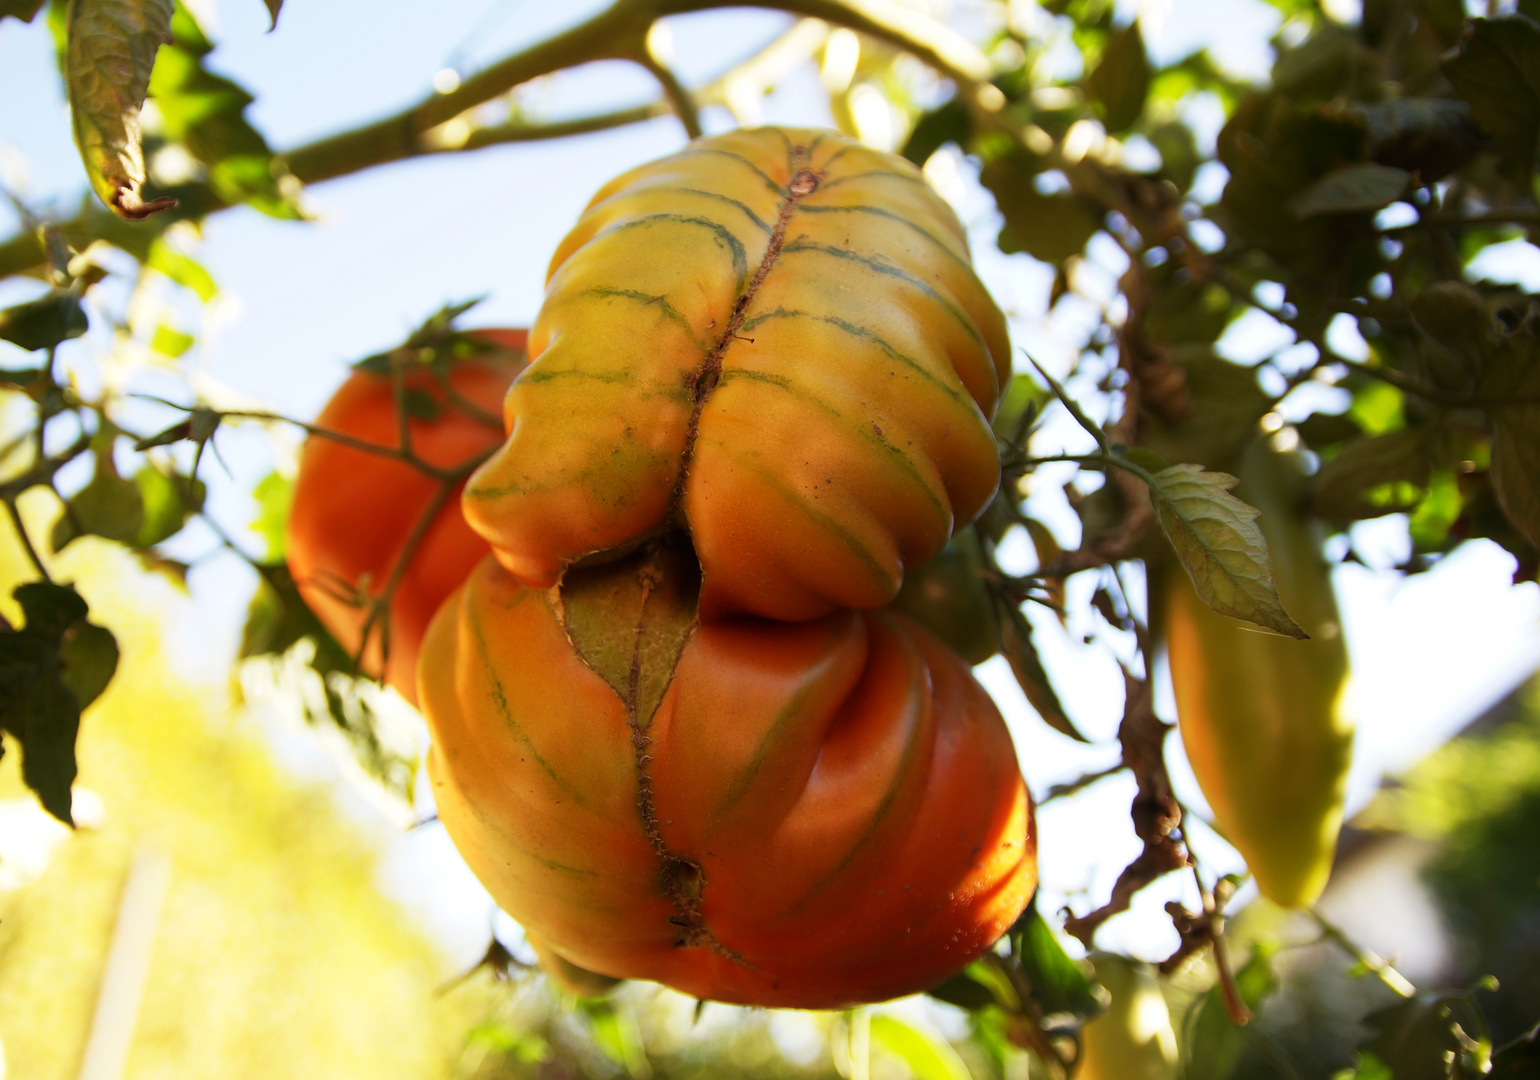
(1382, 969)
(26, 541)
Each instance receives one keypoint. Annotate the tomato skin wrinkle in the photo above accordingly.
(720, 328)
(892, 776)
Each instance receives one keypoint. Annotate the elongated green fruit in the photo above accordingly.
(1133, 1039)
(1261, 715)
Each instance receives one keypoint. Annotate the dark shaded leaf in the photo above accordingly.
(946, 595)
(1419, 1038)
(50, 669)
(1060, 983)
(1121, 79)
(109, 505)
(629, 620)
(108, 59)
(976, 986)
(1385, 474)
(1497, 71)
(1212, 1043)
(44, 322)
(20, 9)
(1512, 374)
(273, 8)
(1220, 545)
(1355, 188)
(946, 123)
(1031, 676)
(1431, 137)
(1519, 1060)
(1047, 227)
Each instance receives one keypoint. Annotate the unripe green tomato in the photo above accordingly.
(946, 595)
(1133, 1039)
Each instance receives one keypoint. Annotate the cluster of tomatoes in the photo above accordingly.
(677, 731)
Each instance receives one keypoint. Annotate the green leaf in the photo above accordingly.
(108, 59)
(1497, 71)
(205, 112)
(168, 503)
(977, 986)
(171, 342)
(948, 122)
(925, 1053)
(1513, 374)
(273, 8)
(629, 620)
(20, 9)
(1431, 137)
(274, 495)
(277, 621)
(1415, 1039)
(1121, 80)
(1385, 474)
(108, 506)
(1031, 676)
(1047, 227)
(1220, 545)
(50, 669)
(1355, 188)
(44, 322)
(1060, 983)
(1212, 1043)
(88, 659)
(946, 595)
(181, 269)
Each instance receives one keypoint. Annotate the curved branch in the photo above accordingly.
(612, 34)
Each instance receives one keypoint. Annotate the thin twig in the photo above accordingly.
(1382, 969)
(26, 541)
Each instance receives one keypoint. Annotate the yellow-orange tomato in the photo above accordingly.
(354, 511)
(776, 337)
(811, 815)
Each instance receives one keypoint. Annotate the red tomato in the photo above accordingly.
(812, 814)
(355, 511)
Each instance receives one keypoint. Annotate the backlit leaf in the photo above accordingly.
(1220, 545)
(181, 269)
(110, 54)
(925, 1053)
(1212, 1043)
(1027, 666)
(1059, 982)
(109, 505)
(629, 620)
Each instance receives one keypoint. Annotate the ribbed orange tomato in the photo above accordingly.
(807, 815)
(354, 511)
(776, 338)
